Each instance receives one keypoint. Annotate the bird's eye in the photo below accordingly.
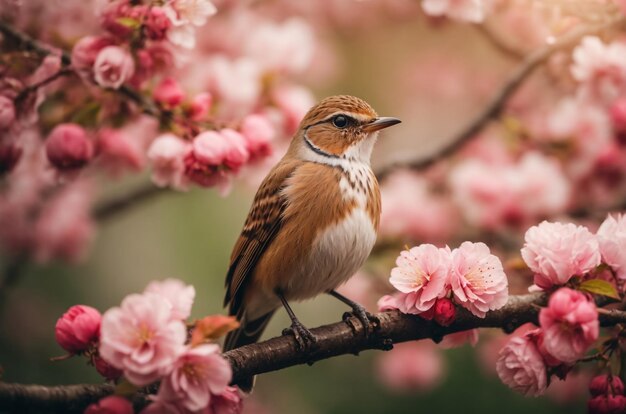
(340, 121)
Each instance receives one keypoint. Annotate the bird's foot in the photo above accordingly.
(370, 322)
(305, 339)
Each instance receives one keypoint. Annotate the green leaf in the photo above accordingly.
(128, 22)
(599, 287)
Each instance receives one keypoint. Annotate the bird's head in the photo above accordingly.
(340, 127)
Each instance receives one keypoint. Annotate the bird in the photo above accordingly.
(312, 224)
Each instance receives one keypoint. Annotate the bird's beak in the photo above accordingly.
(380, 123)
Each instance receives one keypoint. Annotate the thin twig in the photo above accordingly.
(498, 43)
(497, 104)
(147, 105)
(114, 206)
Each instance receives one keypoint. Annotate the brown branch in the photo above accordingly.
(498, 43)
(113, 206)
(497, 104)
(25, 42)
(336, 339)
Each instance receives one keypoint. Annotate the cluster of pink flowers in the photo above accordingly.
(212, 157)
(607, 395)
(138, 101)
(431, 280)
(145, 341)
(568, 327)
(557, 252)
(493, 194)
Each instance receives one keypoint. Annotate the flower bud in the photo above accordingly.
(606, 385)
(113, 404)
(113, 67)
(68, 147)
(78, 328)
(169, 93)
(200, 106)
(7, 112)
(258, 132)
(105, 369)
(618, 118)
(445, 312)
(607, 404)
(85, 52)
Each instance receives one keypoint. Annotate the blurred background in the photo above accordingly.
(436, 74)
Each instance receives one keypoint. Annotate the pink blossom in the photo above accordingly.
(600, 68)
(477, 279)
(211, 152)
(422, 274)
(113, 404)
(200, 106)
(493, 195)
(237, 154)
(68, 147)
(169, 93)
(236, 83)
(258, 133)
(184, 15)
(390, 302)
(118, 11)
(444, 312)
(85, 52)
(605, 385)
(78, 328)
(64, 228)
(7, 112)
(521, 366)
(284, 47)
(463, 10)
(105, 369)
(197, 375)
(458, 339)
(401, 191)
(618, 117)
(141, 338)
(117, 151)
(293, 102)
(607, 404)
(228, 402)
(179, 295)
(570, 325)
(556, 252)
(157, 23)
(195, 12)
(113, 67)
(167, 153)
(612, 241)
(411, 366)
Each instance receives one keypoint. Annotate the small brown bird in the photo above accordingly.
(313, 221)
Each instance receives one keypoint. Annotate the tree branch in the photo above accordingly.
(25, 42)
(336, 339)
(497, 104)
(113, 206)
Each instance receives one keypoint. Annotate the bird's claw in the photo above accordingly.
(302, 335)
(370, 322)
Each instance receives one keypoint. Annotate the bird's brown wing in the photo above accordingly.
(263, 223)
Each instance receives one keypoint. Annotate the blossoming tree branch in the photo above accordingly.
(205, 94)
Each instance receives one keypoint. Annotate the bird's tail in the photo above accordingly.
(248, 333)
